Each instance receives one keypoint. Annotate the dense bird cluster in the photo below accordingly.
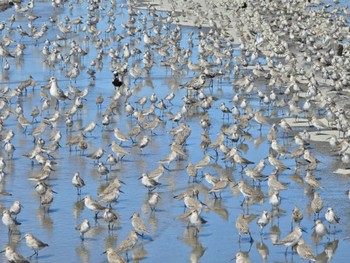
(97, 114)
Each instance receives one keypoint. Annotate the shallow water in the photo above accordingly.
(169, 238)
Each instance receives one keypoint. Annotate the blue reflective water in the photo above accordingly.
(169, 239)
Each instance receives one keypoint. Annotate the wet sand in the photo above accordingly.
(169, 238)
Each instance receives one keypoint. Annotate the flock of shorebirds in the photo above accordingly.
(290, 68)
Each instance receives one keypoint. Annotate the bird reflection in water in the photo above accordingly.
(83, 253)
(191, 239)
(263, 250)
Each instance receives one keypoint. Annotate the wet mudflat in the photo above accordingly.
(170, 237)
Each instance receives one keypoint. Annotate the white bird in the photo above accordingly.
(292, 238)
(34, 243)
(9, 221)
(331, 217)
(15, 208)
(56, 92)
(263, 220)
(13, 256)
(78, 182)
(83, 227)
(149, 183)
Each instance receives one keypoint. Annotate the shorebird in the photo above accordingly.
(13, 256)
(74, 72)
(110, 196)
(89, 127)
(275, 199)
(312, 181)
(117, 82)
(83, 227)
(153, 201)
(259, 166)
(170, 97)
(111, 160)
(47, 198)
(113, 256)
(99, 100)
(9, 221)
(238, 159)
(143, 142)
(225, 110)
(110, 217)
(120, 136)
(253, 174)
(102, 170)
(196, 83)
(56, 92)
(23, 122)
(280, 150)
(211, 179)
(242, 258)
(93, 205)
(128, 243)
(279, 166)
(115, 184)
(40, 188)
(195, 220)
(274, 184)
(203, 163)
(15, 208)
(287, 129)
(299, 141)
(134, 132)
(96, 155)
(78, 182)
(292, 238)
(247, 191)
(119, 151)
(157, 173)
(305, 251)
(35, 113)
(297, 216)
(34, 243)
(191, 171)
(316, 204)
(190, 202)
(149, 183)
(260, 118)
(243, 227)
(9, 149)
(263, 220)
(331, 218)
(220, 186)
(138, 224)
(318, 124)
(320, 229)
